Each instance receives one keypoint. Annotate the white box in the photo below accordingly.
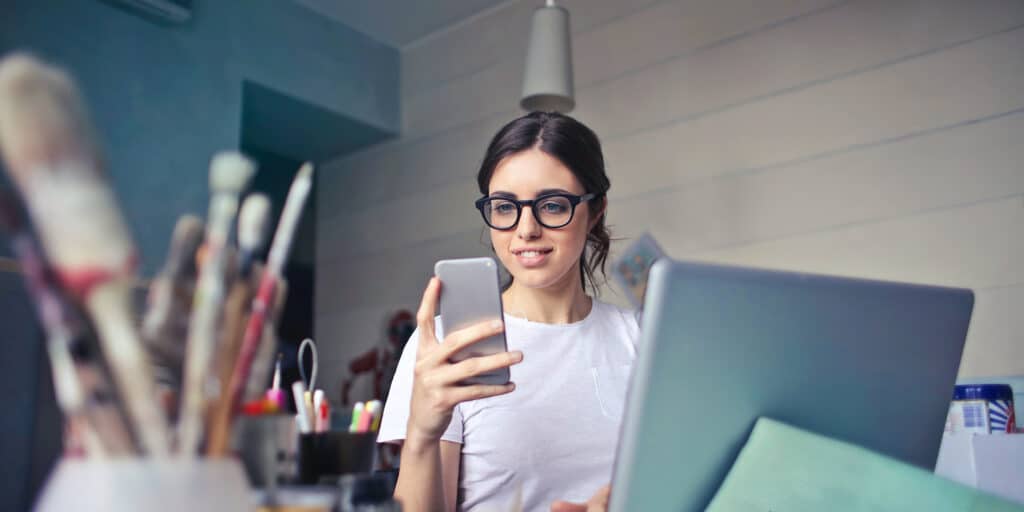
(990, 462)
(131, 484)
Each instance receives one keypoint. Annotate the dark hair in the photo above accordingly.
(578, 148)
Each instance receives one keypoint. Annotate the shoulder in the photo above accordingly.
(611, 312)
(617, 323)
(618, 319)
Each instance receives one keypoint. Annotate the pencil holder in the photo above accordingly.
(267, 447)
(328, 455)
(132, 484)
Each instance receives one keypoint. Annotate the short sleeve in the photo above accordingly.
(396, 410)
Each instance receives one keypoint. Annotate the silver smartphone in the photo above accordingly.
(470, 294)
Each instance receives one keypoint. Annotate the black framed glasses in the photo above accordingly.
(552, 211)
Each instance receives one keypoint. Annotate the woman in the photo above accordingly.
(551, 434)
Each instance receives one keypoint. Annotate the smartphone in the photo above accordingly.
(470, 294)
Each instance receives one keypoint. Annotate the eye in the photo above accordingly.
(554, 205)
(503, 207)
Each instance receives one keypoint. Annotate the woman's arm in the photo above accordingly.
(429, 477)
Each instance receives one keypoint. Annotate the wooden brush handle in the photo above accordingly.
(235, 309)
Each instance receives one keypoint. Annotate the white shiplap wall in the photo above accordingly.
(874, 138)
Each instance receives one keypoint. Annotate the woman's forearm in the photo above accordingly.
(420, 485)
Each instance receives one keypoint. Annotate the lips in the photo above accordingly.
(531, 257)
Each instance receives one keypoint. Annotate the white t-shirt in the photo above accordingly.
(552, 438)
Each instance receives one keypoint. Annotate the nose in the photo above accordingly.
(528, 227)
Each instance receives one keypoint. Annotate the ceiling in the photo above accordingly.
(400, 23)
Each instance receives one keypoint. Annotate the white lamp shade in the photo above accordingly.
(547, 81)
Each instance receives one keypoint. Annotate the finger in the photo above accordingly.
(425, 316)
(472, 366)
(475, 392)
(462, 338)
(565, 506)
(599, 503)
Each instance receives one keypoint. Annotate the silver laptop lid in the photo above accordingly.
(869, 362)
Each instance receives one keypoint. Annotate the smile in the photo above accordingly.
(530, 253)
(532, 257)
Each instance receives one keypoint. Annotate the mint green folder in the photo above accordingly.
(785, 469)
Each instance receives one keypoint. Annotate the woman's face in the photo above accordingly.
(536, 256)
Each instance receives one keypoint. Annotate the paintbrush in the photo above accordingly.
(69, 393)
(221, 418)
(263, 362)
(165, 325)
(106, 418)
(267, 294)
(47, 144)
(222, 414)
(235, 310)
(253, 219)
(253, 224)
(229, 174)
(73, 397)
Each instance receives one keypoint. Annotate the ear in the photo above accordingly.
(598, 214)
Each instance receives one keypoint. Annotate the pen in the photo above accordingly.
(318, 404)
(366, 418)
(301, 412)
(274, 394)
(325, 415)
(357, 411)
(378, 412)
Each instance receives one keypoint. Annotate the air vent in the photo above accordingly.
(169, 11)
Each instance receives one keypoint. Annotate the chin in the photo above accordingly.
(533, 281)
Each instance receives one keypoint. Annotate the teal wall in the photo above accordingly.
(166, 97)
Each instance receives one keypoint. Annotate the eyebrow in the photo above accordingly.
(502, 193)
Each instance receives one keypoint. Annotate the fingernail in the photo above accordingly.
(517, 355)
(496, 324)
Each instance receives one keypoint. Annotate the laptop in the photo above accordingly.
(868, 362)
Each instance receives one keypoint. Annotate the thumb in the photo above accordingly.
(565, 506)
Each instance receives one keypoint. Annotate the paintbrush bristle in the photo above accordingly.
(252, 222)
(230, 172)
(42, 118)
(47, 143)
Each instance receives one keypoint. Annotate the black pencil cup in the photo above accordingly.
(324, 456)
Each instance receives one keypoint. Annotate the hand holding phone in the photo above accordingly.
(439, 383)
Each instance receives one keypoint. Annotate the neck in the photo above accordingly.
(561, 303)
